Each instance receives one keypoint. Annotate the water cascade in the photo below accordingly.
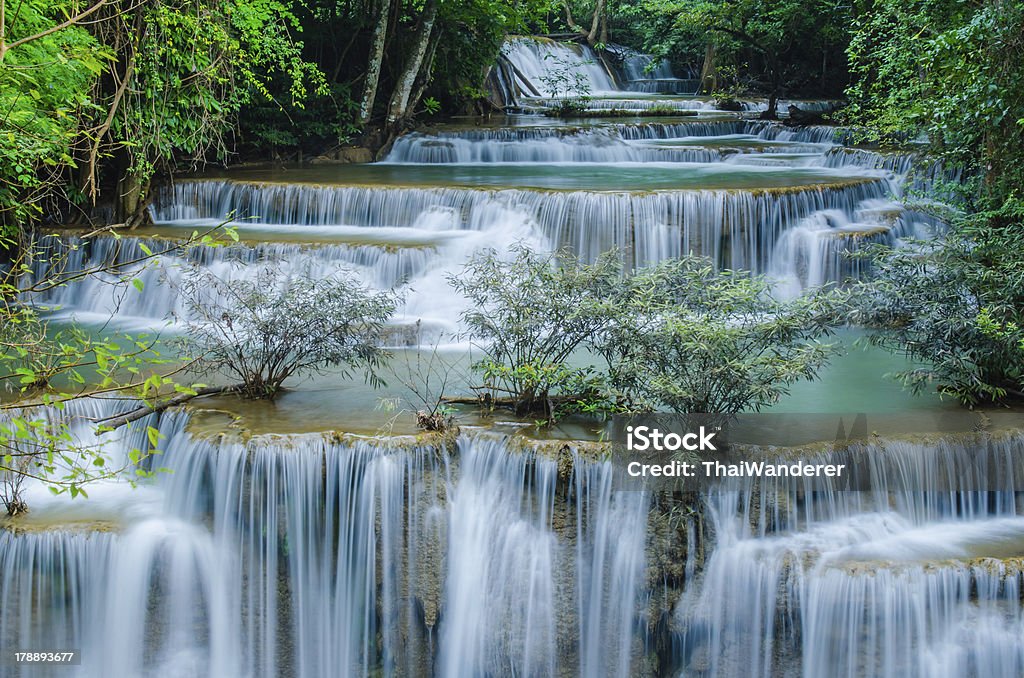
(643, 73)
(792, 202)
(309, 555)
(483, 554)
(550, 68)
(297, 555)
(537, 73)
(921, 576)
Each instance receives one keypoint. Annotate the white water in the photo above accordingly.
(551, 68)
(306, 557)
(546, 72)
(913, 578)
(643, 73)
(418, 261)
(414, 238)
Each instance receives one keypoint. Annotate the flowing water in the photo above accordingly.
(298, 551)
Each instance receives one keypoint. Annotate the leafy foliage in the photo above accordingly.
(47, 367)
(531, 314)
(692, 339)
(269, 328)
(197, 64)
(956, 306)
(679, 336)
(471, 34)
(44, 86)
(770, 46)
(570, 88)
(955, 72)
(952, 70)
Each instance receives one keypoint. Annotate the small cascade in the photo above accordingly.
(556, 69)
(920, 576)
(820, 248)
(897, 163)
(109, 294)
(608, 143)
(634, 131)
(598, 146)
(51, 588)
(422, 235)
(537, 73)
(644, 73)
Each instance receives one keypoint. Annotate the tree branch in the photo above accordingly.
(117, 421)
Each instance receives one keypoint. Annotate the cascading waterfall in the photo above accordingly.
(599, 133)
(595, 147)
(735, 228)
(542, 72)
(816, 251)
(308, 556)
(920, 576)
(643, 73)
(418, 261)
(623, 143)
(106, 295)
(416, 237)
(551, 68)
(320, 555)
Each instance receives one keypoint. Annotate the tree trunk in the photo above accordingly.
(708, 72)
(773, 97)
(398, 109)
(573, 26)
(119, 420)
(426, 72)
(598, 13)
(380, 32)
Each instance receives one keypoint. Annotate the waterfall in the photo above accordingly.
(479, 554)
(105, 295)
(551, 68)
(766, 130)
(421, 236)
(308, 556)
(817, 250)
(623, 143)
(644, 73)
(419, 263)
(917, 577)
(595, 147)
(735, 228)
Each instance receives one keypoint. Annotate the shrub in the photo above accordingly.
(679, 336)
(530, 314)
(692, 339)
(268, 328)
(956, 306)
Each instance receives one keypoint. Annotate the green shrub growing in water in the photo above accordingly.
(679, 336)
